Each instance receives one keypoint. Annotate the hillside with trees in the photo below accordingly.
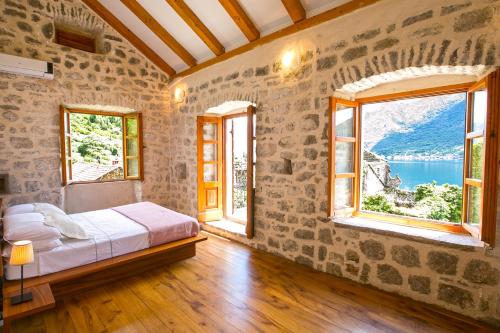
(96, 139)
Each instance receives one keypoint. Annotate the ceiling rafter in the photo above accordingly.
(183, 10)
(159, 31)
(304, 24)
(116, 24)
(242, 20)
(295, 10)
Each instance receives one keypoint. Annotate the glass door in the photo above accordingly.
(209, 134)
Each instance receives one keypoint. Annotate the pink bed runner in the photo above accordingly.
(164, 225)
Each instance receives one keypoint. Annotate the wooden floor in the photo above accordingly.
(228, 287)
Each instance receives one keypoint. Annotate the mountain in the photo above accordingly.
(424, 128)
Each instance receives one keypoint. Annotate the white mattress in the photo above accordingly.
(112, 235)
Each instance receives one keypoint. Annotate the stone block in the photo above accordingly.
(473, 20)
(389, 275)
(420, 284)
(304, 261)
(442, 262)
(334, 269)
(351, 255)
(417, 18)
(308, 250)
(354, 53)
(481, 272)
(325, 236)
(273, 242)
(405, 255)
(322, 252)
(290, 246)
(372, 249)
(455, 296)
(304, 234)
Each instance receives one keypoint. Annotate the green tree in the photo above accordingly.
(379, 203)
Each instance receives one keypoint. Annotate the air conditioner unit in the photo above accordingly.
(24, 66)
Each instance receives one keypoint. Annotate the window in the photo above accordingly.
(235, 167)
(75, 40)
(426, 158)
(100, 146)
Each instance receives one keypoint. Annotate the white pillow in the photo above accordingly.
(38, 246)
(29, 226)
(44, 208)
(47, 209)
(66, 225)
(20, 209)
(46, 245)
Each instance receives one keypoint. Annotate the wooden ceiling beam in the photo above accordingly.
(116, 24)
(197, 26)
(159, 31)
(242, 20)
(304, 24)
(295, 10)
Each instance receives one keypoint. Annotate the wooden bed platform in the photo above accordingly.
(47, 288)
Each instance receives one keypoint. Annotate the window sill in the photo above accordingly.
(458, 241)
(84, 182)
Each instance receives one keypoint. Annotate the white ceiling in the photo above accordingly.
(267, 15)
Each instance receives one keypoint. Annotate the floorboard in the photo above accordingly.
(229, 287)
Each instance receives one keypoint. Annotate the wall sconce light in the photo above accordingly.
(179, 94)
(288, 59)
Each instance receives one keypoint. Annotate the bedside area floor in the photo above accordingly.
(233, 288)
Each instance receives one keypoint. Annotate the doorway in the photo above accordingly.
(236, 164)
(226, 167)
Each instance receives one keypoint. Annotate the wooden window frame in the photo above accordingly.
(66, 169)
(487, 226)
(332, 174)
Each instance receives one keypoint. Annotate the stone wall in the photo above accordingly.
(29, 107)
(292, 144)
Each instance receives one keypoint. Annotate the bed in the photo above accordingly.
(119, 244)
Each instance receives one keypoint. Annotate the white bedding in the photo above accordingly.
(112, 235)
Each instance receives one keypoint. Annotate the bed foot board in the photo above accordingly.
(60, 289)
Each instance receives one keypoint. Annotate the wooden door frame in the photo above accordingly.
(224, 178)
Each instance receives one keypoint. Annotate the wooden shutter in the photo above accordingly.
(132, 146)
(251, 160)
(481, 158)
(65, 138)
(209, 133)
(343, 155)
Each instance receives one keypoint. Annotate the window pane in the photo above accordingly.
(344, 121)
(132, 147)
(254, 150)
(479, 110)
(68, 140)
(210, 172)
(131, 127)
(344, 157)
(96, 147)
(412, 158)
(476, 163)
(474, 205)
(209, 131)
(133, 167)
(209, 152)
(343, 193)
(68, 173)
